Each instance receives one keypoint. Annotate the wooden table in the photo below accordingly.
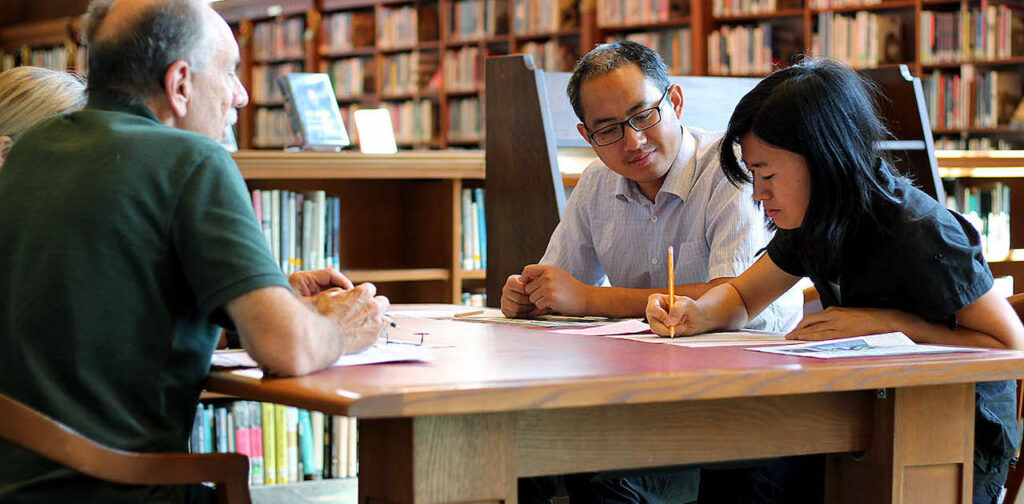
(510, 402)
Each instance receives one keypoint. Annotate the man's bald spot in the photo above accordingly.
(121, 15)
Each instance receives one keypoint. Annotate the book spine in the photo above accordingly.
(467, 229)
(255, 441)
(281, 442)
(306, 445)
(353, 444)
(208, 429)
(269, 444)
(317, 421)
(341, 447)
(478, 193)
(292, 446)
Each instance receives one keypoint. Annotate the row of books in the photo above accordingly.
(673, 45)
(263, 87)
(833, 4)
(945, 94)
(623, 12)
(862, 39)
(551, 56)
(413, 121)
(62, 57)
(977, 143)
(475, 298)
(301, 228)
(406, 26)
(463, 69)
(408, 72)
(989, 33)
(740, 50)
(284, 444)
(465, 119)
(544, 16)
(996, 97)
(352, 77)
(987, 207)
(477, 19)
(279, 39)
(474, 230)
(272, 128)
(346, 31)
(748, 7)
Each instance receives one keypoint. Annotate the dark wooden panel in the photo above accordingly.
(906, 115)
(524, 187)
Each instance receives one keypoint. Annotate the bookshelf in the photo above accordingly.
(423, 59)
(401, 218)
(51, 43)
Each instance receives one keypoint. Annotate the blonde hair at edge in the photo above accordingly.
(28, 94)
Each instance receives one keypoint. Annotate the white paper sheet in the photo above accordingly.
(873, 345)
(630, 326)
(377, 354)
(730, 338)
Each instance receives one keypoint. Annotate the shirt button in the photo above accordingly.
(654, 260)
(654, 218)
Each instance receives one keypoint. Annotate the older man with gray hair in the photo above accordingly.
(127, 240)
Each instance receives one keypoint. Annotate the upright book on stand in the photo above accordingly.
(313, 110)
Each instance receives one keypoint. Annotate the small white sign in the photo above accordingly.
(376, 134)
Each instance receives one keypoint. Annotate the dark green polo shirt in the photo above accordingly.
(121, 239)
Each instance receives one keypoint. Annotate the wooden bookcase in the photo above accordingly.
(51, 43)
(400, 215)
(424, 58)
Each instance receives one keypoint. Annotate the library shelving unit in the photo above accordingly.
(49, 43)
(985, 169)
(401, 221)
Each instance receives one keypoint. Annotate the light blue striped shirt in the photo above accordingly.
(609, 229)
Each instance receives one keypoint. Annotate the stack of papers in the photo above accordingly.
(377, 354)
(895, 343)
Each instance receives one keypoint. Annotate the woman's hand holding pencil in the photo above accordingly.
(682, 318)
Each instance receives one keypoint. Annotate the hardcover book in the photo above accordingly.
(313, 110)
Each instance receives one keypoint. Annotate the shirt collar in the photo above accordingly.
(106, 99)
(678, 180)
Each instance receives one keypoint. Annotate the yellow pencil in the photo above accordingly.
(671, 287)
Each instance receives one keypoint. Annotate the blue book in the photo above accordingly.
(306, 442)
(208, 429)
(221, 420)
(478, 195)
(335, 230)
(195, 443)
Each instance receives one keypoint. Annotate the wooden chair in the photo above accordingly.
(33, 431)
(1015, 476)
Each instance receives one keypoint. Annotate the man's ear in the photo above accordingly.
(178, 87)
(675, 95)
(5, 145)
(583, 133)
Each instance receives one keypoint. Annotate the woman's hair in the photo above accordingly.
(825, 112)
(28, 94)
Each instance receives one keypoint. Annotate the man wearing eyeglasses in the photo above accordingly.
(657, 183)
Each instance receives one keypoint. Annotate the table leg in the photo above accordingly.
(464, 459)
(922, 450)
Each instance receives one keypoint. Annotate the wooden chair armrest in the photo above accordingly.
(40, 434)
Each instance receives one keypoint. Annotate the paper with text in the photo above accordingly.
(873, 345)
